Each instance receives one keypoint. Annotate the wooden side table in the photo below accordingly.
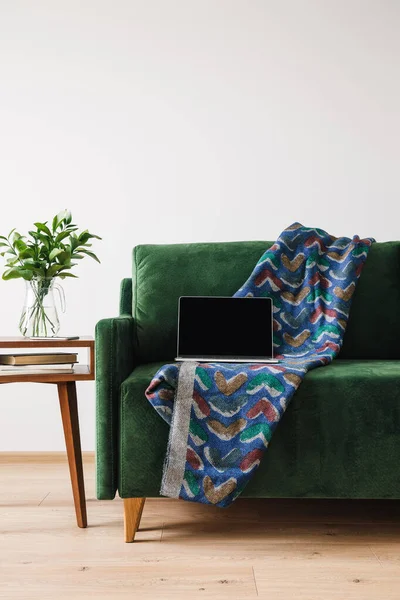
(66, 384)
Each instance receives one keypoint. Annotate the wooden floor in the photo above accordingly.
(275, 549)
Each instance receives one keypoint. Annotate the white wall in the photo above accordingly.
(161, 121)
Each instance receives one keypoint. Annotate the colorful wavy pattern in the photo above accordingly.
(311, 277)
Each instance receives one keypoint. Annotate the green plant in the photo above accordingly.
(47, 252)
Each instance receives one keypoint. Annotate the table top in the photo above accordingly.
(85, 341)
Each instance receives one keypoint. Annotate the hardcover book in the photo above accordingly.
(54, 358)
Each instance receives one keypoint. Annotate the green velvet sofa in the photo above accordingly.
(339, 437)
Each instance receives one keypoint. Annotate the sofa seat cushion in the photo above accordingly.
(339, 437)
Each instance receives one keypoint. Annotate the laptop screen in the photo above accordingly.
(224, 327)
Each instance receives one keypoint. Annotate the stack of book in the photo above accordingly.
(40, 363)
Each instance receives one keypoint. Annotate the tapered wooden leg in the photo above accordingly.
(69, 414)
(133, 508)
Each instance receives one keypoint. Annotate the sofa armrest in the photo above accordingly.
(114, 362)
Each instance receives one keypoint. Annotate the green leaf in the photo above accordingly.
(3, 244)
(59, 218)
(91, 254)
(16, 236)
(65, 257)
(20, 245)
(74, 242)
(62, 235)
(3, 238)
(13, 273)
(43, 238)
(28, 275)
(27, 253)
(51, 271)
(12, 261)
(84, 236)
(83, 247)
(29, 260)
(63, 275)
(43, 227)
(55, 252)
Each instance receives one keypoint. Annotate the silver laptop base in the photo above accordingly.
(250, 360)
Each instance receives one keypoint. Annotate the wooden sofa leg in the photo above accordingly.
(133, 508)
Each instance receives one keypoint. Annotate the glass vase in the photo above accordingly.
(39, 316)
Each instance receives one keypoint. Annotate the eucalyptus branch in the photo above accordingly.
(48, 251)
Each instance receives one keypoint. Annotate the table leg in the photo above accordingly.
(69, 413)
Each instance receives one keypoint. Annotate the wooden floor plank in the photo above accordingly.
(352, 581)
(168, 581)
(388, 554)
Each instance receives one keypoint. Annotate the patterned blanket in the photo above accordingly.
(222, 416)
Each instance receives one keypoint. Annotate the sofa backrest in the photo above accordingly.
(162, 273)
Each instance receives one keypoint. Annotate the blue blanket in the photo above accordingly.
(223, 415)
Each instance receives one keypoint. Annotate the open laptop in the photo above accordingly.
(225, 329)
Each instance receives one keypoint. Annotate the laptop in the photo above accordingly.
(225, 329)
